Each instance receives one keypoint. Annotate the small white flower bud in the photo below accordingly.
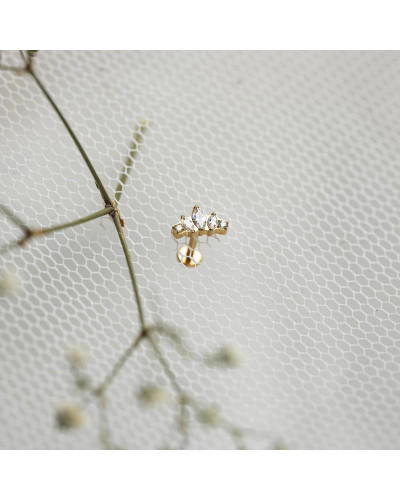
(70, 416)
(210, 416)
(77, 356)
(227, 356)
(9, 283)
(152, 395)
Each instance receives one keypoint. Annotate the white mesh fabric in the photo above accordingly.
(299, 151)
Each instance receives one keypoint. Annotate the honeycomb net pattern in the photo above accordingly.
(299, 151)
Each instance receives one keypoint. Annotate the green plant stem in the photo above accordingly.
(164, 363)
(15, 219)
(95, 215)
(104, 425)
(183, 400)
(183, 424)
(128, 259)
(12, 68)
(4, 249)
(118, 366)
(30, 233)
(133, 150)
(99, 184)
(21, 52)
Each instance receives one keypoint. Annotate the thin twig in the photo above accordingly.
(178, 342)
(24, 58)
(164, 363)
(95, 215)
(20, 223)
(133, 150)
(116, 219)
(101, 188)
(8, 246)
(99, 184)
(12, 68)
(104, 425)
(183, 399)
(235, 432)
(118, 365)
(183, 423)
(30, 233)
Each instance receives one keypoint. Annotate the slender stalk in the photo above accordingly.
(183, 424)
(133, 150)
(122, 239)
(21, 224)
(164, 363)
(104, 425)
(23, 57)
(118, 365)
(11, 68)
(73, 223)
(30, 233)
(184, 401)
(238, 441)
(99, 184)
(8, 246)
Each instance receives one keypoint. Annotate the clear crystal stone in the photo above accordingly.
(223, 224)
(199, 218)
(212, 222)
(178, 228)
(188, 224)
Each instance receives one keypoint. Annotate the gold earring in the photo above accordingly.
(194, 226)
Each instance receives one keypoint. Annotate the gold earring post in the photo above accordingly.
(196, 225)
(189, 255)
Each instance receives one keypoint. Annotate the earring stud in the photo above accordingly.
(198, 224)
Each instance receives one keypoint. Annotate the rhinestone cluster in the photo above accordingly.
(199, 221)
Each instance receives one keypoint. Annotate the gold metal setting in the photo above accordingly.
(198, 224)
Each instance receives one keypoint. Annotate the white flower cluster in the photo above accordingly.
(152, 395)
(9, 283)
(70, 416)
(227, 356)
(209, 416)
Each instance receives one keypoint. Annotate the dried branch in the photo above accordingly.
(30, 233)
(104, 424)
(128, 259)
(118, 366)
(133, 151)
(106, 197)
(20, 223)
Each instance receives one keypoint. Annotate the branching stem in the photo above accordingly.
(21, 224)
(128, 259)
(118, 365)
(66, 225)
(164, 363)
(133, 150)
(106, 197)
(30, 233)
